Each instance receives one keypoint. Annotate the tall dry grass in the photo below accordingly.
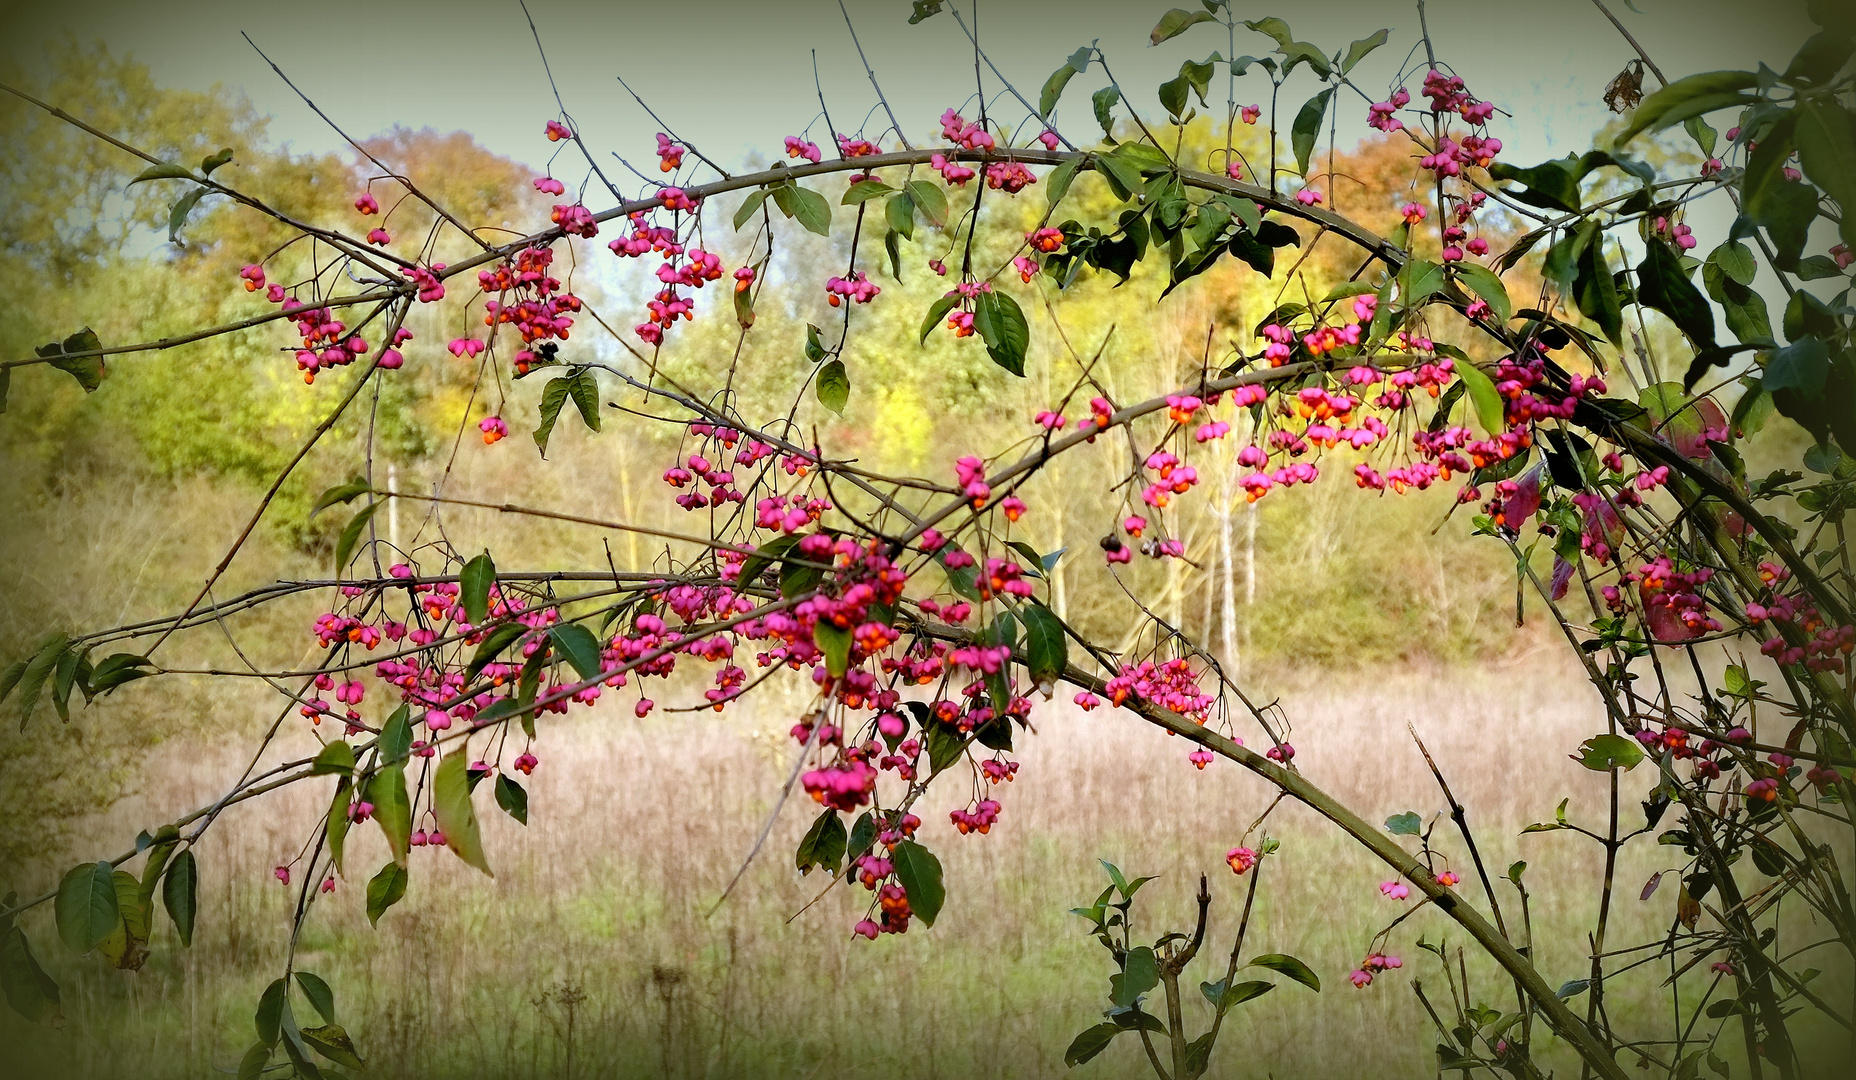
(599, 924)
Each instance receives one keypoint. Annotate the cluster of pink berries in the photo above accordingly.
(1362, 976)
(858, 289)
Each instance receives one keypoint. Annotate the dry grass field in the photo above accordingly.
(594, 953)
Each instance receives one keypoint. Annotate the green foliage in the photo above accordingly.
(474, 583)
(86, 906)
(919, 873)
(385, 889)
(456, 816)
(1603, 752)
(823, 846)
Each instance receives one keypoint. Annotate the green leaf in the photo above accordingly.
(1297, 52)
(252, 1065)
(823, 846)
(1784, 208)
(1357, 51)
(579, 646)
(1194, 78)
(1198, 1054)
(1662, 285)
(553, 396)
(1123, 176)
(798, 578)
(864, 190)
(764, 556)
(456, 816)
(930, 200)
(583, 387)
(181, 210)
(126, 948)
(298, 1051)
(919, 873)
(1747, 318)
(1274, 27)
(386, 789)
(1483, 395)
(386, 889)
(29, 990)
(1307, 128)
(112, 671)
(492, 646)
(1827, 151)
(64, 678)
(1818, 267)
(815, 345)
(270, 1015)
(1285, 964)
(1686, 97)
(1551, 184)
(1736, 261)
(340, 493)
(1139, 974)
(321, 998)
(863, 835)
(1562, 262)
(332, 1042)
(1053, 90)
(1046, 646)
(899, 214)
(1091, 1042)
(1483, 282)
(1348, 289)
(339, 820)
(180, 894)
(835, 642)
(1596, 293)
(1104, 101)
(1405, 824)
(833, 386)
(1176, 22)
(336, 758)
(351, 537)
(1225, 997)
(396, 736)
(214, 161)
(11, 677)
(161, 171)
(963, 580)
(937, 311)
(944, 746)
(1602, 752)
(474, 588)
(749, 207)
(512, 798)
(86, 907)
(1419, 278)
(1001, 324)
(1058, 181)
(807, 207)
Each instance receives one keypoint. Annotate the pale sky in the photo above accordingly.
(735, 76)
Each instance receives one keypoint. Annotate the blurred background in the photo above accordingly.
(594, 951)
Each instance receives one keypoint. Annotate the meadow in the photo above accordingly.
(599, 950)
